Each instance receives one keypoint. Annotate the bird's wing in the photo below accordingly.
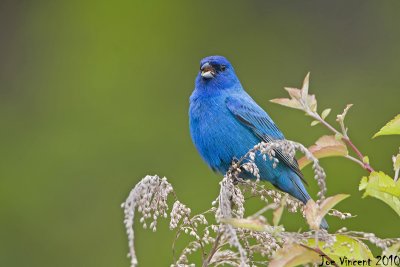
(257, 120)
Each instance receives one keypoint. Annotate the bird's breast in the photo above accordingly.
(217, 134)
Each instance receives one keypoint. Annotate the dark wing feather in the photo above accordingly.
(254, 117)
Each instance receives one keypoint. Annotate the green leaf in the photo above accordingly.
(353, 249)
(392, 127)
(325, 113)
(383, 187)
(292, 255)
(363, 183)
(325, 146)
(396, 162)
(313, 123)
(338, 136)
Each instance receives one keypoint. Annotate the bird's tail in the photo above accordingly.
(324, 224)
(302, 194)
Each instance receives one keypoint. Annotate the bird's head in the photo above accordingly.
(216, 72)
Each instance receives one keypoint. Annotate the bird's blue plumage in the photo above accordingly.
(225, 123)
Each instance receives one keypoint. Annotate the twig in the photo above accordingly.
(178, 233)
(261, 211)
(344, 137)
(203, 252)
(213, 250)
(359, 162)
(359, 154)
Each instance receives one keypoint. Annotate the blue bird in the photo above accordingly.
(225, 123)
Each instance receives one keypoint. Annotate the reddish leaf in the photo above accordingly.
(326, 146)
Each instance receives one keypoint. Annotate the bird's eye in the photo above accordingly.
(223, 68)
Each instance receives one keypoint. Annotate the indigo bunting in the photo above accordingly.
(225, 123)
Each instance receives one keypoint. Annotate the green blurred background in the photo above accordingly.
(94, 95)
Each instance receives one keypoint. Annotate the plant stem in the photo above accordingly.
(261, 211)
(359, 162)
(203, 252)
(327, 125)
(359, 154)
(213, 250)
(345, 139)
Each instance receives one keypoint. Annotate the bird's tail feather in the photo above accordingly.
(324, 224)
(304, 197)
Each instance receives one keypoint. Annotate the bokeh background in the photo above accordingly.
(94, 95)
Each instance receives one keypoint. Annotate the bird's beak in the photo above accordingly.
(207, 71)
